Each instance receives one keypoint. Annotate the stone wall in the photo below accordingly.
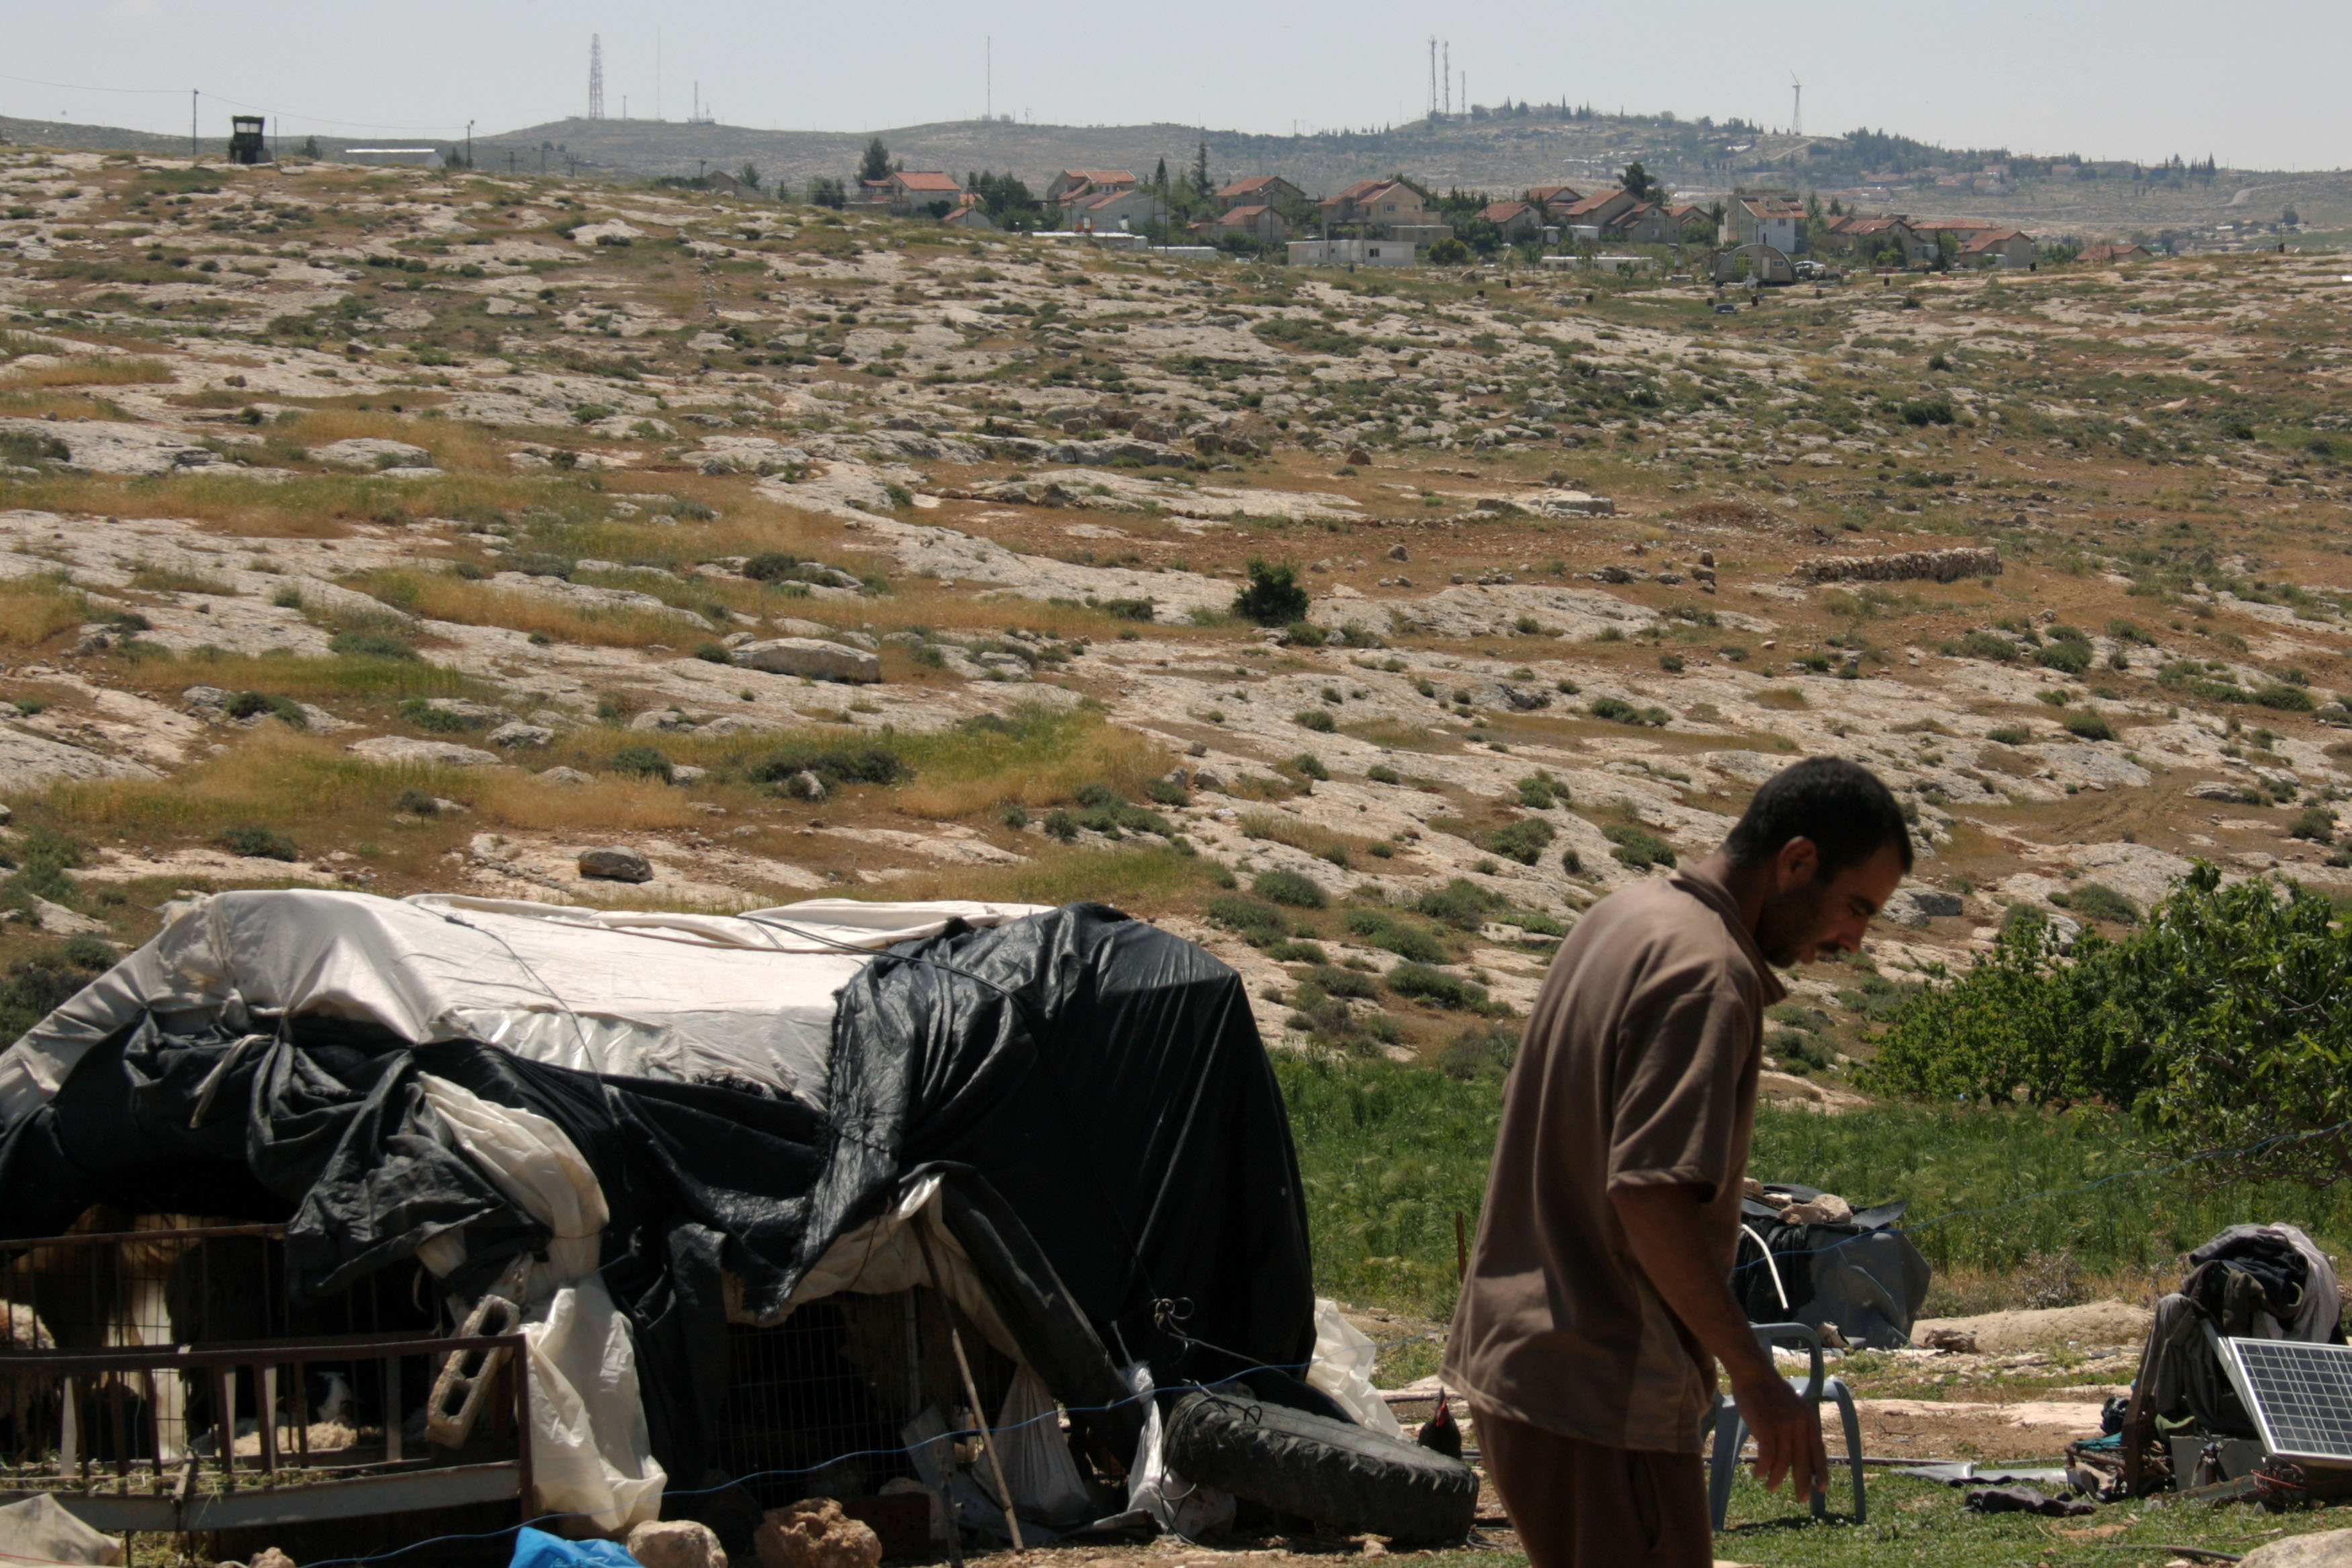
(1933, 565)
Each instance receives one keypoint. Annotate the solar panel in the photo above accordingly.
(2300, 1395)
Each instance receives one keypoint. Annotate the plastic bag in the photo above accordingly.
(1038, 1469)
(590, 1454)
(39, 1529)
(1342, 1368)
(1179, 1507)
(536, 1549)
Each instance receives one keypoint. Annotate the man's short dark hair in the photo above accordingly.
(1839, 804)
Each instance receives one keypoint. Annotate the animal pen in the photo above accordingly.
(608, 1216)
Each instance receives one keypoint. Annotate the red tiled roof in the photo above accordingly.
(1250, 185)
(1248, 213)
(926, 180)
(1593, 202)
(1988, 238)
(1101, 176)
(1551, 195)
(1503, 212)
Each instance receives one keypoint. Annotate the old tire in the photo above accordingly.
(1347, 1480)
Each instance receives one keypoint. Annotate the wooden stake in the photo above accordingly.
(972, 1393)
(1461, 1249)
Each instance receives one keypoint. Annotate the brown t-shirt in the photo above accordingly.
(1638, 1069)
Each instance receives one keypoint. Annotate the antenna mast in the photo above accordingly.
(1449, 79)
(1433, 76)
(595, 75)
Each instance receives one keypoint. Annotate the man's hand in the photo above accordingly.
(1787, 1434)
(1663, 1228)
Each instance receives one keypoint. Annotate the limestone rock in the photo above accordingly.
(676, 1543)
(815, 1533)
(567, 776)
(615, 865)
(1398, 553)
(400, 749)
(64, 921)
(809, 657)
(270, 1557)
(206, 697)
(1909, 565)
(498, 307)
(373, 452)
(2322, 1549)
(517, 733)
(1918, 906)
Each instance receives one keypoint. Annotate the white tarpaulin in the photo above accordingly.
(1342, 1368)
(746, 997)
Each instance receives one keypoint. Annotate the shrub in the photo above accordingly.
(427, 715)
(1460, 902)
(2101, 902)
(246, 704)
(1290, 887)
(2009, 734)
(1540, 792)
(1127, 609)
(1381, 773)
(1987, 645)
(42, 982)
(835, 765)
(1272, 596)
(644, 762)
(1481, 1051)
(1617, 710)
(2283, 698)
(1638, 848)
(1340, 982)
(1927, 411)
(258, 843)
(2316, 824)
(1436, 987)
(2073, 658)
(1307, 765)
(1524, 840)
(2087, 726)
(1305, 634)
(1318, 719)
(41, 860)
(370, 645)
(1255, 924)
(416, 803)
(713, 653)
(1383, 930)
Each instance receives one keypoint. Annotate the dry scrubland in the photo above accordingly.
(393, 531)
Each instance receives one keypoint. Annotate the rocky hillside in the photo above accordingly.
(384, 531)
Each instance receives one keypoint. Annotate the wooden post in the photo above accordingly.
(392, 1409)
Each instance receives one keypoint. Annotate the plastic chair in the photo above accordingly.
(1731, 1432)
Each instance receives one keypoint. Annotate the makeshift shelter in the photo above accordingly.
(686, 1132)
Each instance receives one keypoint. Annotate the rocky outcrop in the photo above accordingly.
(810, 658)
(815, 1533)
(615, 865)
(399, 750)
(1911, 565)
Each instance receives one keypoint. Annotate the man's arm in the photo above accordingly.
(1662, 1224)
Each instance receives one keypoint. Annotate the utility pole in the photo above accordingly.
(1449, 79)
(469, 144)
(1433, 76)
(988, 102)
(193, 153)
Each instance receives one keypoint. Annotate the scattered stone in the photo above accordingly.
(815, 1533)
(810, 658)
(1197, 749)
(686, 773)
(1398, 553)
(400, 749)
(1827, 1209)
(805, 785)
(207, 697)
(1950, 1341)
(499, 307)
(1918, 906)
(615, 865)
(515, 733)
(676, 1543)
(1359, 457)
(567, 776)
(1909, 565)
(270, 1557)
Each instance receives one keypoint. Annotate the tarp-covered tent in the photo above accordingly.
(694, 1120)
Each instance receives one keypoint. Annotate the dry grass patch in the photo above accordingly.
(444, 596)
(1280, 827)
(1034, 758)
(310, 678)
(458, 446)
(1147, 881)
(36, 608)
(136, 371)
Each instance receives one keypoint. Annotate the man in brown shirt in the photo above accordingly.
(1596, 1305)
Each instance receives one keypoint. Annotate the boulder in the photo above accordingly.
(2321, 1549)
(1918, 906)
(1398, 553)
(64, 921)
(815, 1533)
(270, 1557)
(400, 749)
(517, 733)
(615, 865)
(811, 659)
(676, 1543)
(373, 452)
(209, 697)
(567, 776)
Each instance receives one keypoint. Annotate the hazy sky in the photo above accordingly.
(2257, 85)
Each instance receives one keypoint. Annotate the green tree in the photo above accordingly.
(309, 148)
(748, 174)
(1273, 596)
(2217, 1023)
(1638, 183)
(1448, 252)
(1201, 187)
(875, 164)
(1160, 176)
(824, 191)
(2290, 218)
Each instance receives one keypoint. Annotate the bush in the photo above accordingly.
(2073, 658)
(1436, 987)
(2100, 903)
(1305, 634)
(644, 762)
(1482, 1051)
(1924, 411)
(1638, 848)
(40, 860)
(1273, 596)
(2087, 726)
(258, 843)
(416, 803)
(1524, 840)
(1308, 765)
(1987, 645)
(1460, 902)
(1127, 609)
(42, 982)
(1617, 710)
(836, 765)
(1255, 924)
(1383, 930)
(247, 704)
(2317, 823)
(1318, 719)
(713, 653)
(426, 715)
(2009, 734)
(1382, 773)
(1540, 792)
(1290, 887)
(370, 645)
(1448, 251)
